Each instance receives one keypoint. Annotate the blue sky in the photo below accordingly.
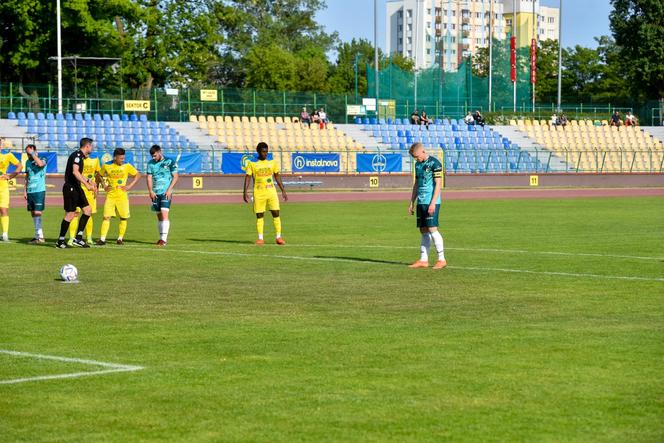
(582, 20)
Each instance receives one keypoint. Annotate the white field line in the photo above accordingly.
(502, 251)
(109, 367)
(344, 260)
(506, 251)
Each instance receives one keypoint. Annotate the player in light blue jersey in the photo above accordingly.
(162, 175)
(35, 190)
(425, 199)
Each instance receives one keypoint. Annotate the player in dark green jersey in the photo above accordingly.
(425, 200)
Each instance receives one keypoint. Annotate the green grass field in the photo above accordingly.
(548, 325)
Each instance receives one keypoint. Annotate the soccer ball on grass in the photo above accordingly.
(68, 273)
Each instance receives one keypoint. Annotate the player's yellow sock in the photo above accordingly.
(4, 220)
(73, 228)
(88, 229)
(260, 225)
(122, 228)
(105, 226)
(277, 225)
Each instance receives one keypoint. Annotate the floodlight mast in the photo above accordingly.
(376, 67)
(59, 38)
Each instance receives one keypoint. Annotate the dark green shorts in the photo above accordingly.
(36, 201)
(161, 203)
(424, 220)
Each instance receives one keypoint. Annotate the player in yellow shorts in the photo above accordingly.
(6, 160)
(117, 201)
(265, 172)
(91, 169)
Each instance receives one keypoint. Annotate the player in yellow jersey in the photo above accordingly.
(117, 201)
(6, 160)
(265, 172)
(91, 169)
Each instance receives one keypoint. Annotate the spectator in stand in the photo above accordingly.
(323, 118)
(630, 119)
(615, 119)
(424, 119)
(469, 120)
(305, 117)
(315, 117)
(415, 118)
(563, 120)
(479, 120)
(554, 120)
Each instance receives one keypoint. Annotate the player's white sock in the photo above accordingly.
(39, 233)
(160, 225)
(424, 247)
(438, 242)
(165, 226)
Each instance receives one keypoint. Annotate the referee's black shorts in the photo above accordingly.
(73, 197)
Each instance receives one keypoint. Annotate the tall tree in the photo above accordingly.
(638, 31)
(287, 24)
(159, 41)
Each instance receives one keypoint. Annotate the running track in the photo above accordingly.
(484, 194)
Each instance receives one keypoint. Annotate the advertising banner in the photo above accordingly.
(311, 162)
(236, 162)
(379, 162)
(50, 157)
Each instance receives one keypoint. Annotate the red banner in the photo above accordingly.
(513, 58)
(533, 61)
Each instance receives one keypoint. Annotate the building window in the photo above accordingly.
(429, 11)
(428, 51)
(409, 13)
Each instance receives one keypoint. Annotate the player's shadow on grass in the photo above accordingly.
(221, 240)
(136, 242)
(26, 241)
(365, 260)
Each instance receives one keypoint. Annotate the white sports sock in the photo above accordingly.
(160, 229)
(38, 226)
(438, 242)
(424, 247)
(165, 226)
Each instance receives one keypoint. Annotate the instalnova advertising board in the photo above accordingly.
(315, 162)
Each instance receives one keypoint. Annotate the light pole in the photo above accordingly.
(376, 67)
(357, 58)
(560, 54)
(535, 38)
(490, 53)
(59, 38)
(516, 45)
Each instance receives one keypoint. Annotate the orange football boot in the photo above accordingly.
(440, 264)
(419, 264)
(281, 241)
(260, 242)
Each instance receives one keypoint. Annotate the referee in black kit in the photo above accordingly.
(73, 195)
